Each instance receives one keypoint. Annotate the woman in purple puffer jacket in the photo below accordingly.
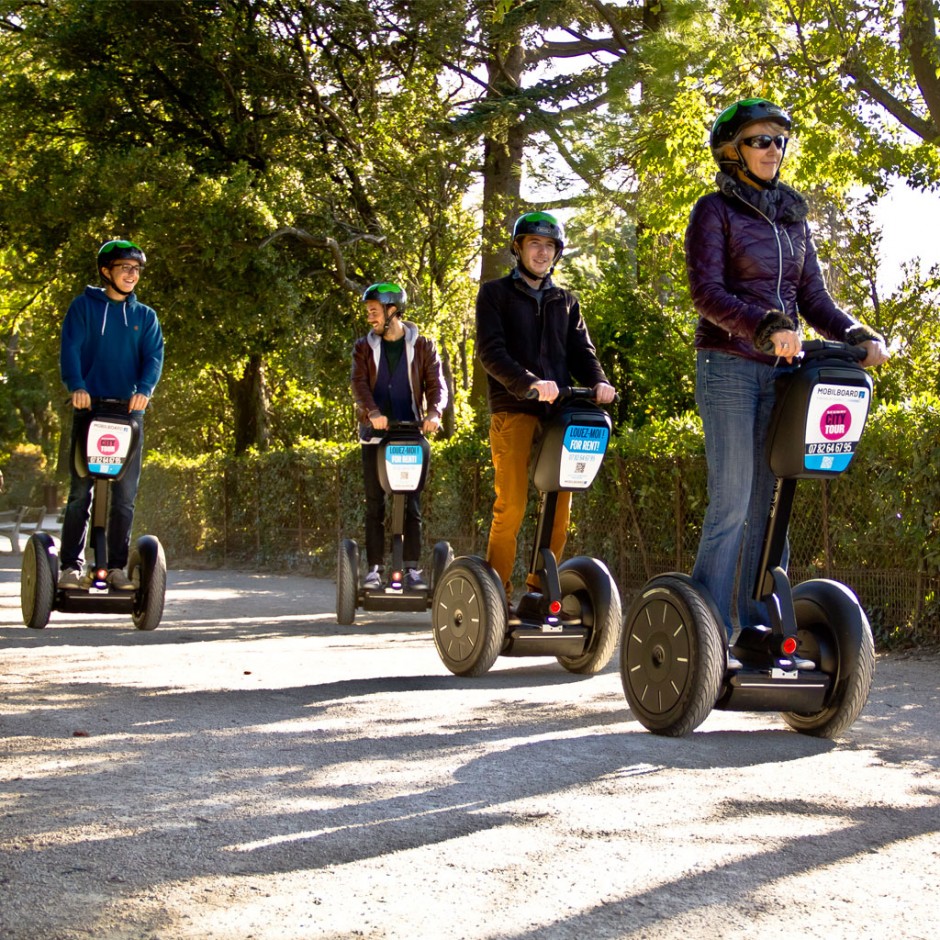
(754, 275)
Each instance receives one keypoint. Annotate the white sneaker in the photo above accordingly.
(68, 579)
(414, 581)
(373, 581)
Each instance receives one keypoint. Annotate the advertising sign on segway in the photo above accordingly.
(107, 447)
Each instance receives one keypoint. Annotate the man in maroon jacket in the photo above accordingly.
(396, 375)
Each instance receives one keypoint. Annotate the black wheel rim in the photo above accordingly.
(459, 618)
(659, 656)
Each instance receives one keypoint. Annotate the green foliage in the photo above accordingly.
(903, 440)
(640, 328)
(22, 476)
(201, 129)
(669, 438)
(214, 132)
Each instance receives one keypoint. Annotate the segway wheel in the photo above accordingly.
(671, 657)
(147, 569)
(468, 616)
(834, 632)
(441, 560)
(37, 580)
(347, 581)
(590, 596)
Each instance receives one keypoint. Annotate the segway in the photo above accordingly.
(404, 456)
(112, 438)
(814, 661)
(575, 614)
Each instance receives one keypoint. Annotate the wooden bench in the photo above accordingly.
(23, 521)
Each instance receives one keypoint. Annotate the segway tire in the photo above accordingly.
(468, 616)
(38, 577)
(834, 632)
(147, 569)
(589, 595)
(671, 657)
(347, 581)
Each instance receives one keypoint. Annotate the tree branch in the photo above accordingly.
(866, 83)
(333, 246)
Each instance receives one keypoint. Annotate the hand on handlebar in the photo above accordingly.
(379, 422)
(81, 399)
(545, 389)
(430, 424)
(877, 353)
(138, 402)
(604, 394)
(787, 344)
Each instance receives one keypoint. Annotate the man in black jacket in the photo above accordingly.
(530, 335)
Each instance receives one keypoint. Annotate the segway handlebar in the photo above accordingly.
(394, 425)
(825, 349)
(567, 393)
(830, 348)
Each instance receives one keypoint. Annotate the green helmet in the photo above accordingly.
(729, 124)
(540, 223)
(117, 249)
(387, 293)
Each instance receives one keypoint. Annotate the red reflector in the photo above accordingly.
(101, 574)
(789, 646)
(554, 607)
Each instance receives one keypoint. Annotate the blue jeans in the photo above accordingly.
(735, 397)
(78, 508)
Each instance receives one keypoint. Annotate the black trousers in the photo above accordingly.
(375, 514)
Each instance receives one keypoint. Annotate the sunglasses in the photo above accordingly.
(763, 141)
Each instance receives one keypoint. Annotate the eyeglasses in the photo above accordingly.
(763, 141)
(128, 268)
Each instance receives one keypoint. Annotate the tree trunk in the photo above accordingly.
(448, 424)
(503, 148)
(249, 396)
(919, 35)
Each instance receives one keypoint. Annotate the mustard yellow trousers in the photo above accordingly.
(511, 438)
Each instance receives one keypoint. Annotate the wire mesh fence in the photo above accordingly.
(289, 510)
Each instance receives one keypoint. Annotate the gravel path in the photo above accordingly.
(252, 771)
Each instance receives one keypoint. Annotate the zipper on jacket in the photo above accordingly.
(776, 232)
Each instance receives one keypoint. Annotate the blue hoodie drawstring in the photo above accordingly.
(104, 321)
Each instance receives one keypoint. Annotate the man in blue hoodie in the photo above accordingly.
(112, 347)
